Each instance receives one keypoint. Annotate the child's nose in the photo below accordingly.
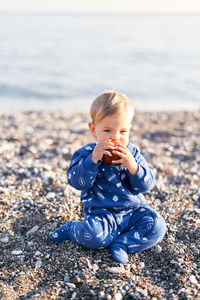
(116, 136)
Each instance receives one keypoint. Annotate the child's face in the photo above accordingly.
(116, 126)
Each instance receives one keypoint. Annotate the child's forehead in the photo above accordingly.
(120, 119)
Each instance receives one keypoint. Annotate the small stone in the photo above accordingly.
(66, 278)
(142, 264)
(38, 263)
(17, 252)
(118, 296)
(193, 280)
(116, 270)
(73, 297)
(170, 210)
(75, 279)
(182, 290)
(38, 253)
(71, 285)
(50, 195)
(4, 240)
(158, 249)
(158, 202)
(101, 294)
(32, 230)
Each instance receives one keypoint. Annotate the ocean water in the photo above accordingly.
(63, 61)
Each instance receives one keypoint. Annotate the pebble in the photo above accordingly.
(4, 240)
(118, 296)
(50, 195)
(32, 230)
(142, 264)
(75, 279)
(116, 270)
(71, 285)
(158, 249)
(66, 278)
(38, 263)
(17, 252)
(193, 280)
(101, 294)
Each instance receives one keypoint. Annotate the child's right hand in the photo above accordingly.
(102, 148)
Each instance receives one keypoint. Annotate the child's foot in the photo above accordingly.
(119, 253)
(60, 234)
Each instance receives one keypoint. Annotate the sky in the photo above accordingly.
(100, 6)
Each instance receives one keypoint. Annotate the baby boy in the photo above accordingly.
(117, 215)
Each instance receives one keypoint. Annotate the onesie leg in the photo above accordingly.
(60, 234)
(145, 229)
(95, 231)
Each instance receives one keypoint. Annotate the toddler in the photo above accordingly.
(117, 216)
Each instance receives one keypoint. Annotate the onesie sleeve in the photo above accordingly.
(144, 179)
(82, 171)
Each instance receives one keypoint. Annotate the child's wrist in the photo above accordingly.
(133, 169)
(95, 160)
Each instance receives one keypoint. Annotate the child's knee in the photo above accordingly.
(95, 234)
(159, 227)
(162, 226)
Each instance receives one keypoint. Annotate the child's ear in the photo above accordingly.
(92, 128)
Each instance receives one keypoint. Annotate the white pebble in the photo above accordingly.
(193, 280)
(4, 240)
(158, 202)
(118, 296)
(158, 249)
(71, 285)
(73, 296)
(17, 252)
(142, 264)
(38, 253)
(116, 270)
(50, 195)
(32, 230)
(38, 263)
(101, 294)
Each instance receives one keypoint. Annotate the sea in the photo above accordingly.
(63, 61)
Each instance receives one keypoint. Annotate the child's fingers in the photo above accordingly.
(120, 153)
(117, 162)
(121, 149)
(107, 153)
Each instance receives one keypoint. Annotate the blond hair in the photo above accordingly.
(109, 103)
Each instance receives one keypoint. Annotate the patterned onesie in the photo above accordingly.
(116, 212)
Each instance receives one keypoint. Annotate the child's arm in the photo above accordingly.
(141, 177)
(82, 170)
(144, 179)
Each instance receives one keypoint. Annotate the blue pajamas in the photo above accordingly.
(133, 231)
(116, 212)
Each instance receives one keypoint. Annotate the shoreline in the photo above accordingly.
(35, 150)
(82, 105)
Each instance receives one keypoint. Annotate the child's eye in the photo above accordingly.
(123, 131)
(106, 130)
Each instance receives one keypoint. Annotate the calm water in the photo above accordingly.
(64, 61)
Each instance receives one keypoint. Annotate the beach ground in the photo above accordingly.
(35, 151)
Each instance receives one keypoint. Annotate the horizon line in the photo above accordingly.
(104, 12)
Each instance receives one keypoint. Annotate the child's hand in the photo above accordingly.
(100, 149)
(127, 159)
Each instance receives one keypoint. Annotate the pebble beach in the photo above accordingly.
(35, 198)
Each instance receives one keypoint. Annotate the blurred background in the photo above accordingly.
(59, 55)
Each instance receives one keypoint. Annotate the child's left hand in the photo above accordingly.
(127, 159)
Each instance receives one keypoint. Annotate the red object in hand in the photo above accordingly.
(108, 159)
